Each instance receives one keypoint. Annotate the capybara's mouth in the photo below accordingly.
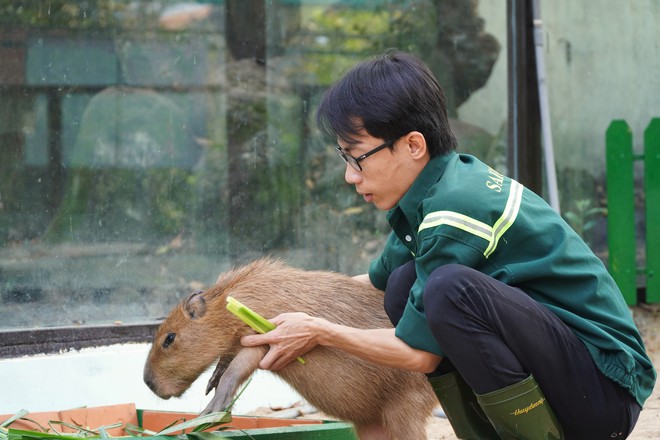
(167, 390)
(157, 390)
(163, 394)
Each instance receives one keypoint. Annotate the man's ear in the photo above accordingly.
(416, 144)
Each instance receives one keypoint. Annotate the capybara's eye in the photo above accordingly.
(169, 339)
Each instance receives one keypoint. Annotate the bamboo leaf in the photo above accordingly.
(22, 413)
(43, 428)
(137, 431)
(200, 423)
(79, 428)
(20, 434)
(176, 422)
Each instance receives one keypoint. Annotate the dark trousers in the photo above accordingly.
(495, 335)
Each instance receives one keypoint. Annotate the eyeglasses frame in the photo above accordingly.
(354, 162)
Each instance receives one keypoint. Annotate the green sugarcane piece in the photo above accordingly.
(249, 316)
(257, 322)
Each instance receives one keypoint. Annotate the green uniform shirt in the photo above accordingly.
(461, 211)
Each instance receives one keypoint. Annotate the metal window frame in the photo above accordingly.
(524, 156)
(24, 342)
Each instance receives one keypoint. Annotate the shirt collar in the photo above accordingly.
(429, 176)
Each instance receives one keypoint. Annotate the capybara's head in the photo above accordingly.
(200, 329)
(184, 346)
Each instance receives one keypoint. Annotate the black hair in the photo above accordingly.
(388, 96)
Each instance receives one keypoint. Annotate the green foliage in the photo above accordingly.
(584, 217)
(197, 424)
(62, 13)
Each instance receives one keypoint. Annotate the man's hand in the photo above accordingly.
(298, 333)
(294, 336)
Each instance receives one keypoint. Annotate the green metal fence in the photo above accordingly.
(620, 158)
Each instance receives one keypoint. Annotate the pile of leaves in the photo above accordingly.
(196, 425)
(53, 430)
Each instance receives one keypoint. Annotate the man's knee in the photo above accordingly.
(449, 278)
(397, 291)
(443, 291)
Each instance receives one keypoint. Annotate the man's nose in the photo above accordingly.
(351, 175)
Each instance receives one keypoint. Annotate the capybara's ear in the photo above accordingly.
(195, 305)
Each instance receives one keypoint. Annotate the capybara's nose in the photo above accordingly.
(148, 380)
(149, 384)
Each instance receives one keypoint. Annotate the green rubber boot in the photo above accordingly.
(460, 405)
(520, 411)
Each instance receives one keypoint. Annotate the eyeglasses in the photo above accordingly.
(355, 161)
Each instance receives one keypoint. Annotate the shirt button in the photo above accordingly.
(408, 238)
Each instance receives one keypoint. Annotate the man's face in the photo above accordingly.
(389, 173)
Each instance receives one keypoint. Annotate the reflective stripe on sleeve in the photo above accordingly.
(508, 216)
(491, 234)
(460, 221)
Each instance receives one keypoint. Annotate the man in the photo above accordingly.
(491, 293)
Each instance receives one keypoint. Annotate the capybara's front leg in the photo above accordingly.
(372, 432)
(238, 371)
(220, 369)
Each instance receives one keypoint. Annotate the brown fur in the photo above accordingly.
(372, 397)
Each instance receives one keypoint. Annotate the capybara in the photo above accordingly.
(381, 402)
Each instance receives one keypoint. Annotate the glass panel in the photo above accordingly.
(145, 146)
(597, 74)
